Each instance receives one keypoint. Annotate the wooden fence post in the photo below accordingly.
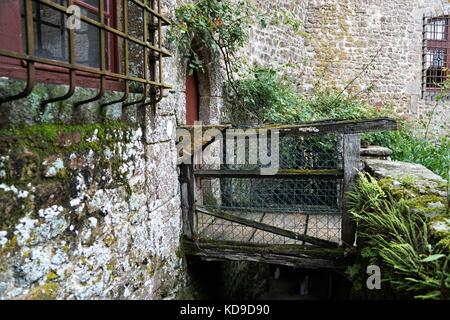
(187, 181)
(351, 144)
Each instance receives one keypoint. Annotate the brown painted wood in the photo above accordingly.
(268, 228)
(11, 39)
(192, 98)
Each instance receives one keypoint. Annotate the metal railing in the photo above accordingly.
(151, 81)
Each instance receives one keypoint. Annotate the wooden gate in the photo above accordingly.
(237, 210)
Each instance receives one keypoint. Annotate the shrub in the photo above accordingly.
(265, 96)
(408, 146)
(414, 262)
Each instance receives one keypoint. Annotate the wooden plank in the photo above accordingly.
(351, 161)
(308, 257)
(184, 201)
(187, 182)
(265, 227)
(281, 174)
(345, 127)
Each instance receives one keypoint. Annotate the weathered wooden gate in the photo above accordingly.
(233, 211)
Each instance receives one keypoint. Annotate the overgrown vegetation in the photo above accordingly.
(270, 97)
(410, 146)
(414, 260)
(204, 28)
(207, 26)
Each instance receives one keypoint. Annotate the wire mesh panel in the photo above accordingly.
(307, 205)
(295, 152)
(299, 200)
(326, 227)
(311, 195)
(309, 152)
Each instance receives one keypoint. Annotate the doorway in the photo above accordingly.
(192, 97)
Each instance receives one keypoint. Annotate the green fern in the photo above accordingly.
(414, 264)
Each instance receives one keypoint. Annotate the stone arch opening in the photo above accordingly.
(204, 88)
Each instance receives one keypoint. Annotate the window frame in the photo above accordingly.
(432, 44)
(16, 69)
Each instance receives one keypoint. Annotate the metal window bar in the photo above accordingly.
(153, 22)
(436, 54)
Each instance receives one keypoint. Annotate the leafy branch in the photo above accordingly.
(208, 26)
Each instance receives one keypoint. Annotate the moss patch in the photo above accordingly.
(47, 291)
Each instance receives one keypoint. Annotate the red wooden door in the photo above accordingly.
(192, 98)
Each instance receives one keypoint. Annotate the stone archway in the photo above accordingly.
(207, 84)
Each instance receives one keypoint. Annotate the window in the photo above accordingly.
(437, 54)
(51, 35)
(118, 46)
(51, 39)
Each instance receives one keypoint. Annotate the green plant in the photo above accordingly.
(204, 27)
(264, 96)
(414, 263)
(408, 146)
(210, 25)
(268, 96)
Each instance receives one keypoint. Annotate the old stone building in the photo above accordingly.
(92, 209)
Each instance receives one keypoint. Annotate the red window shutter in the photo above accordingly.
(11, 38)
(192, 98)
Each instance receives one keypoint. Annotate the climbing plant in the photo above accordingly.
(212, 25)
(222, 26)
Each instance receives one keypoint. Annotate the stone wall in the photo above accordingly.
(341, 36)
(90, 211)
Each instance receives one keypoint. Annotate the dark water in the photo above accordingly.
(254, 281)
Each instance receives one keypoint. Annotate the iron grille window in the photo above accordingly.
(436, 52)
(51, 33)
(117, 46)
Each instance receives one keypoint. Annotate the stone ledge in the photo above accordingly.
(400, 170)
(376, 152)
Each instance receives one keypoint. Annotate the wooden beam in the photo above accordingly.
(351, 161)
(268, 228)
(345, 127)
(307, 257)
(187, 182)
(281, 174)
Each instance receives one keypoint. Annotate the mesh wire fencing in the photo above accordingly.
(306, 205)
